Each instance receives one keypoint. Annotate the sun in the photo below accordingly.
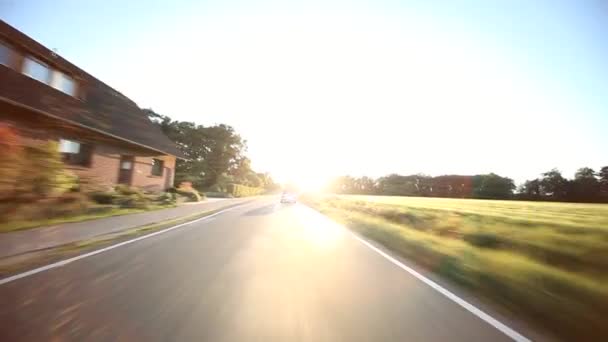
(306, 183)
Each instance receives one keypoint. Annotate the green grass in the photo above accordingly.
(114, 211)
(23, 262)
(546, 260)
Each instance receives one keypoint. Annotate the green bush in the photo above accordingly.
(71, 203)
(103, 197)
(238, 190)
(66, 181)
(125, 196)
(167, 198)
(132, 201)
(191, 194)
(31, 171)
(126, 190)
(11, 160)
(216, 188)
(41, 171)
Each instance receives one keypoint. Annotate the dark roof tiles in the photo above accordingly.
(102, 108)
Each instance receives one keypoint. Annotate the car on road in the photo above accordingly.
(288, 197)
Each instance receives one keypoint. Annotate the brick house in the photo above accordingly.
(102, 135)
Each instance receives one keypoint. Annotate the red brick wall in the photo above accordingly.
(142, 173)
(105, 165)
(105, 161)
(105, 158)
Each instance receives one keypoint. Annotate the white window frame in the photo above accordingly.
(10, 54)
(69, 146)
(57, 79)
(28, 59)
(162, 167)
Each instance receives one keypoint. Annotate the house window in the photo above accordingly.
(6, 55)
(157, 167)
(64, 83)
(37, 70)
(75, 153)
(126, 165)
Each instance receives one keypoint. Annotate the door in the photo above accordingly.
(125, 172)
(168, 178)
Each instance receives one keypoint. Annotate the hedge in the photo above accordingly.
(238, 190)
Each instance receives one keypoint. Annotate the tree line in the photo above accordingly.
(586, 186)
(215, 155)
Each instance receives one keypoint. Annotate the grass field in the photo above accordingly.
(546, 260)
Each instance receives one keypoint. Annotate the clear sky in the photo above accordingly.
(321, 88)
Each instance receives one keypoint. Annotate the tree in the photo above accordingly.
(398, 185)
(603, 174)
(585, 187)
(343, 185)
(366, 185)
(492, 186)
(210, 151)
(553, 185)
(267, 182)
(531, 189)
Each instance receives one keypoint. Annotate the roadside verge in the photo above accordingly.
(557, 305)
(29, 263)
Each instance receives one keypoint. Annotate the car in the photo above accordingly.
(288, 197)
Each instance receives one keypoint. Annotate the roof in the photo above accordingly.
(102, 109)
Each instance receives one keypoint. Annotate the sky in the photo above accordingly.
(326, 88)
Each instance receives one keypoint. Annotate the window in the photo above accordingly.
(6, 55)
(75, 153)
(64, 83)
(37, 70)
(126, 165)
(157, 167)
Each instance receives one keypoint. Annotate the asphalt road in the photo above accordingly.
(261, 272)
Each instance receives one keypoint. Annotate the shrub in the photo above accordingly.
(66, 181)
(126, 190)
(125, 196)
(238, 190)
(190, 193)
(103, 197)
(11, 154)
(31, 172)
(132, 201)
(167, 198)
(71, 203)
(40, 171)
(218, 194)
(216, 188)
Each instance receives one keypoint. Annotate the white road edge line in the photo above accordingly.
(514, 335)
(469, 307)
(105, 249)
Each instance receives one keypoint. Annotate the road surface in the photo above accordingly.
(260, 272)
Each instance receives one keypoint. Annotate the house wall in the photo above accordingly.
(105, 164)
(142, 173)
(105, 157)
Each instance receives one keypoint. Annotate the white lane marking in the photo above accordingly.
(514, 335)
(105, 249)
(469, 307)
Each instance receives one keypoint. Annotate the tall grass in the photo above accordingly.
(546, 260)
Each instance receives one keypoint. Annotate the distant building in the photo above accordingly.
(101, 133)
